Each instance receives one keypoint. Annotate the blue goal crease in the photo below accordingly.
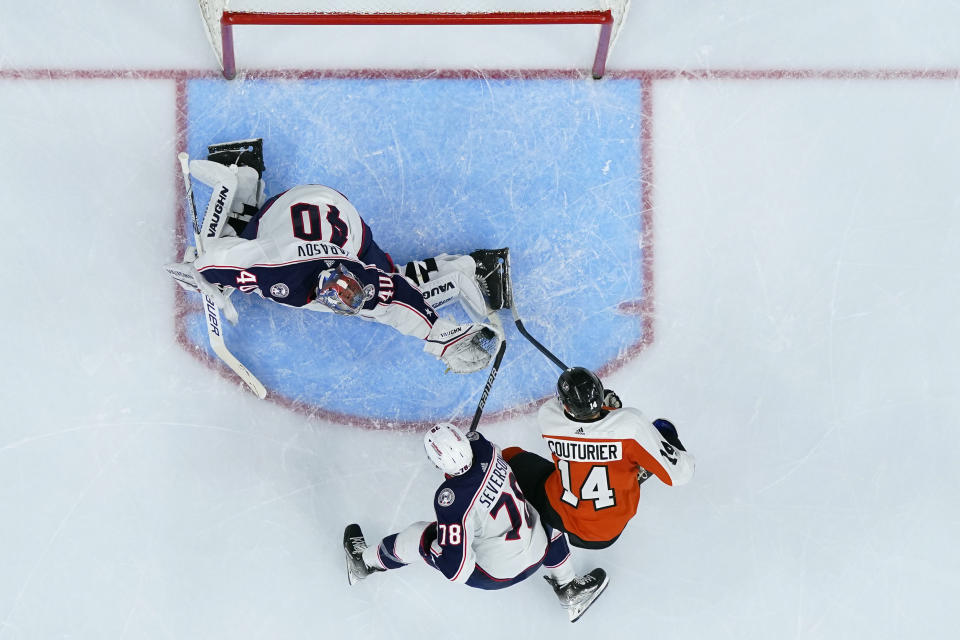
(549, 167)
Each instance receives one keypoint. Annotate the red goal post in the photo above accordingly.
(220, 17)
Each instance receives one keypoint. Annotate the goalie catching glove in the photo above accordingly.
(464, 348)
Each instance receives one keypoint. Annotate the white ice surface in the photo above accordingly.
(806, 290)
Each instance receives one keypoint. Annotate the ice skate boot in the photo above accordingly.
(243, 153)
(353, 545)
(493, 276)
(577, 595)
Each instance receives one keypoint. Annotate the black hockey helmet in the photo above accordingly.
(580, 392)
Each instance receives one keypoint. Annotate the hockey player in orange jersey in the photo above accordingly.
(602, 453)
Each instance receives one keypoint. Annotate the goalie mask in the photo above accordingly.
(580, 392)
(341, 291)
(448, 449)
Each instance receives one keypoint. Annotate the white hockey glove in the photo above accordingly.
(463, 348)
(187, 276)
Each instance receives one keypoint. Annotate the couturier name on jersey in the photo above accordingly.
(585, 451)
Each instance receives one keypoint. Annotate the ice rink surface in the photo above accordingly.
(800, 180)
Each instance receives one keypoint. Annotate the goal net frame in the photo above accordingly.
(220, 22)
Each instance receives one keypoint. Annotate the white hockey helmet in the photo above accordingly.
(341, 291)
(448, 449)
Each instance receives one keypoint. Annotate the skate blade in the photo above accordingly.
(352, 578)
(576, 612)
(507, 282)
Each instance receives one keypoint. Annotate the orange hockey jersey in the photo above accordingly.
(594, 486)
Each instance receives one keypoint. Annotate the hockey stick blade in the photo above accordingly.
(215, 334)
(517, 321)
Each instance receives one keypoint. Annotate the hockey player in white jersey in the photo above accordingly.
(486, 534)
(308, 247)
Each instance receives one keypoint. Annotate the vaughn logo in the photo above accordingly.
(214, 227)
(440, 288)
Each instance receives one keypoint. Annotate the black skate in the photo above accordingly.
(353, 545)
(577, 595)
(493, 275)
(243, 153)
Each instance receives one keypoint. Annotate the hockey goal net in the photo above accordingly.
(220, 17)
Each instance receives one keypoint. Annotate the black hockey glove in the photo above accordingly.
(643, 476)
(669, 432)
(611, 400)
(428, 538)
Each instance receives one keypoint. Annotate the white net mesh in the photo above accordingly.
(212, 10)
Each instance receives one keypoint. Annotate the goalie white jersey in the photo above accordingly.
(312, 213)
(303, 235)
(298, 235)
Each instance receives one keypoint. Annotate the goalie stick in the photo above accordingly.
(494, 368)
(211, 312)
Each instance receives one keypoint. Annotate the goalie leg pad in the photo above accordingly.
(423, 271)
(224, 182)
(248, 156)
(456, 286)
(446, 278)
(419, 271)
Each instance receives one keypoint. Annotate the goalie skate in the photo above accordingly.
(493, 276)
(577, 595)
(353, 545)
(243, 153)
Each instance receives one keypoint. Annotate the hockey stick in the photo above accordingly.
(184, 159)
(212, 312)
(489, 384)
(517, 321)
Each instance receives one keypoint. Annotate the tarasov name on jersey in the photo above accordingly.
(312, 249)
(585, 451)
